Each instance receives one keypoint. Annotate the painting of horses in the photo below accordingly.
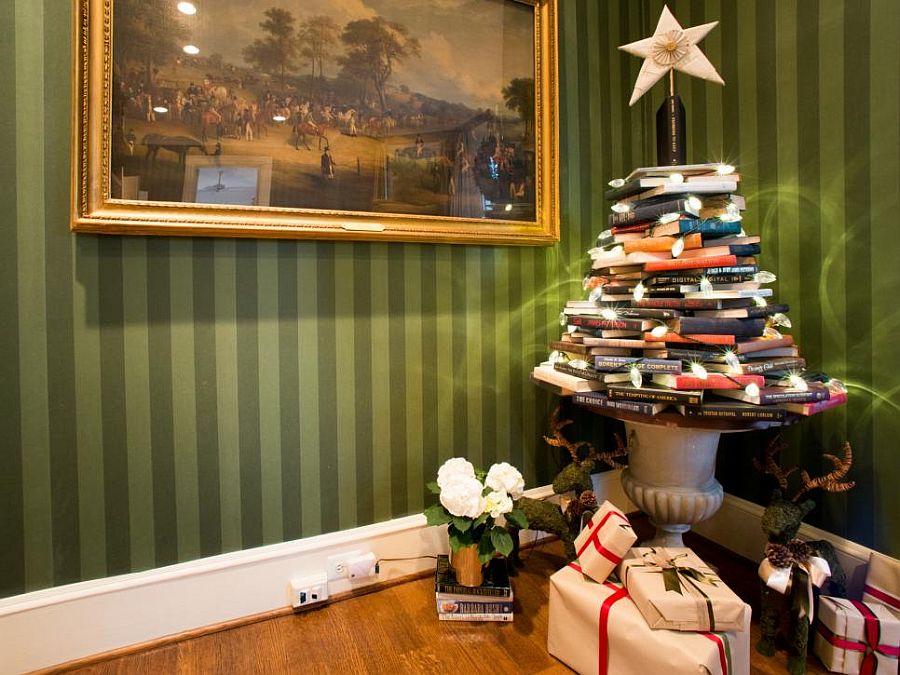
(394, 107)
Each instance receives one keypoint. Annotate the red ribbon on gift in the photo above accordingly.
(881, 596)
(869, 648)
(723, 659)
(594, 538)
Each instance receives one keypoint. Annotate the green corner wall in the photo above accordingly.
(168, 399)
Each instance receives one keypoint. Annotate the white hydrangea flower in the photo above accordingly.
(461, 496)
(497, 503)
(504, 477)
(454, 467)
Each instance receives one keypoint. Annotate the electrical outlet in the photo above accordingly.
(337, 567)
(308, 591)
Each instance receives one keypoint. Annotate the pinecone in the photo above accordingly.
(800, 550)
(779, 555)
(588, 500)
(574, 509)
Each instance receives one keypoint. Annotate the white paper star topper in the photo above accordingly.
(671, 46)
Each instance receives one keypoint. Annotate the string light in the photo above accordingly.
(725, 169)
(694, 203)
(563, 319)
(586, 283)
(760, 301)
(636, 378)
(764, 277)
(835, 386)
(676, 177)
(732, 361)
(616, 182)
(187, 8)
(596, 293)
(771, 334)
(557, 357)
(732, 214)
(191, 49)
(668, 218)
(678, 247)
(796, 381)
(781, 319)
(752, 389)
(619, 207)
(609, 314)
(639, 291)
(659, 331)
(697, 370)
(706, 285)
(581, 364)
(571, 329)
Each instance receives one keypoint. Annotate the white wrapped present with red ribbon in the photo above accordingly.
(857, 637)
(596, 628)
(883, 582)
(675, 589)
(604, 541)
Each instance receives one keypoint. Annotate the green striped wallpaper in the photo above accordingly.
(168, 399)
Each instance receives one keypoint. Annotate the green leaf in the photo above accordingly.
(434, 488)
(485, 549)
(436, 514)
(501, 540)
(481, 520)
(459, 539)
(461, 523)
(517, 517)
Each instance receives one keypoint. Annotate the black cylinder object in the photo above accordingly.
(670, 133)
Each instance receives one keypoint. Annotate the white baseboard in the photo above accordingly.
(738, 527)
(62, 624)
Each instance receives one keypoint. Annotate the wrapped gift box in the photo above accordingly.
(675, 589)
(596, 628)
(856, 637)
(883, 582)
(604, 541)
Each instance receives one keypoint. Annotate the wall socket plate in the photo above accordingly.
(336, 565)
(308, 591)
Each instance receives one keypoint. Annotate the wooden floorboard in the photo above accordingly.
(396, 631)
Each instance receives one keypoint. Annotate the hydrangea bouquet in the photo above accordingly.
(476, 506)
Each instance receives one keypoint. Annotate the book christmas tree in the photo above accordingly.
(680, 317)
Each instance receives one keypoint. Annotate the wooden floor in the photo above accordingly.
(395, 630)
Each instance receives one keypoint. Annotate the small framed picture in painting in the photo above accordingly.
(228, 180)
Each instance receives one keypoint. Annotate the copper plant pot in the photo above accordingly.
(467, 566)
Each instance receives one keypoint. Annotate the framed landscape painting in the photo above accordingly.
(390, 120)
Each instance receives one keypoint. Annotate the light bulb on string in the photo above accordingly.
(678, 247)
(764, 277)
(636, 378)
(660, 331)
(771, 334)
(694, 203)
(596, 294)
(609, 314)
(581, 364)
(706, 285)
(639, 291)
(668, 218)
(571, 329)
(732, 361)
(557, 357)
(563, 319)
(835, 386)
(585, 283)
(796, 381)
(752, 389)
(725, 169)
(620, 207)
(616, 182)
(697, 370)
(760, 301)
(781, 319)
(676, 177)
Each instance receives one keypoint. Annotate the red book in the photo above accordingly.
(690, 263)
(837, 399)
(711, 381)
(708, 339)
(637, 227)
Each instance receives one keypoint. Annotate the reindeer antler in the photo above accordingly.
(558, 440)
(831, 481)
(772, 467)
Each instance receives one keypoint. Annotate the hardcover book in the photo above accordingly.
(647, 213)
(736, 327)
(595, 399)
(733, 410)
(687, 263)
(658, 394)
(643, 365)
(711, 381)
(769, 395)
(496, 580)
(708, 226)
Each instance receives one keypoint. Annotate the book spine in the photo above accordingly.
(507, 618)
(459, 589)
(570, 347)
(624, 363)
(733, 269)
(647, 313)
(657, 395)
(584, 373)
(691, 241)
(649, 212)
(677, 303)
(736, 327)
(714, 381)
(453, 605)
(760, 344)
(636, 227)
(601, 401)
(692, 338)
(687, 263)
(700, 355)
(712, 411)
(769, 396)
(670, 279)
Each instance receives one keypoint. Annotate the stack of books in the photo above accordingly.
(680, 316)
(492, 601)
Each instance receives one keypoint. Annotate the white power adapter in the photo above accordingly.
(361, 566)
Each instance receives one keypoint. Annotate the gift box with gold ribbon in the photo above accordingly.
(675, 589)
(596, 628)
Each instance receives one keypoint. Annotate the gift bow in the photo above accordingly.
(870, 645)
(673, 572)
(811, 572)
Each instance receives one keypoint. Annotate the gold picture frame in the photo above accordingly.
(112, 162)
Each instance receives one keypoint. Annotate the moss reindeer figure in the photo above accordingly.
(784, 551)
(575, 478)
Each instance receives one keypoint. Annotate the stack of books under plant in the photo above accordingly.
(679, 315)
(472, 584)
